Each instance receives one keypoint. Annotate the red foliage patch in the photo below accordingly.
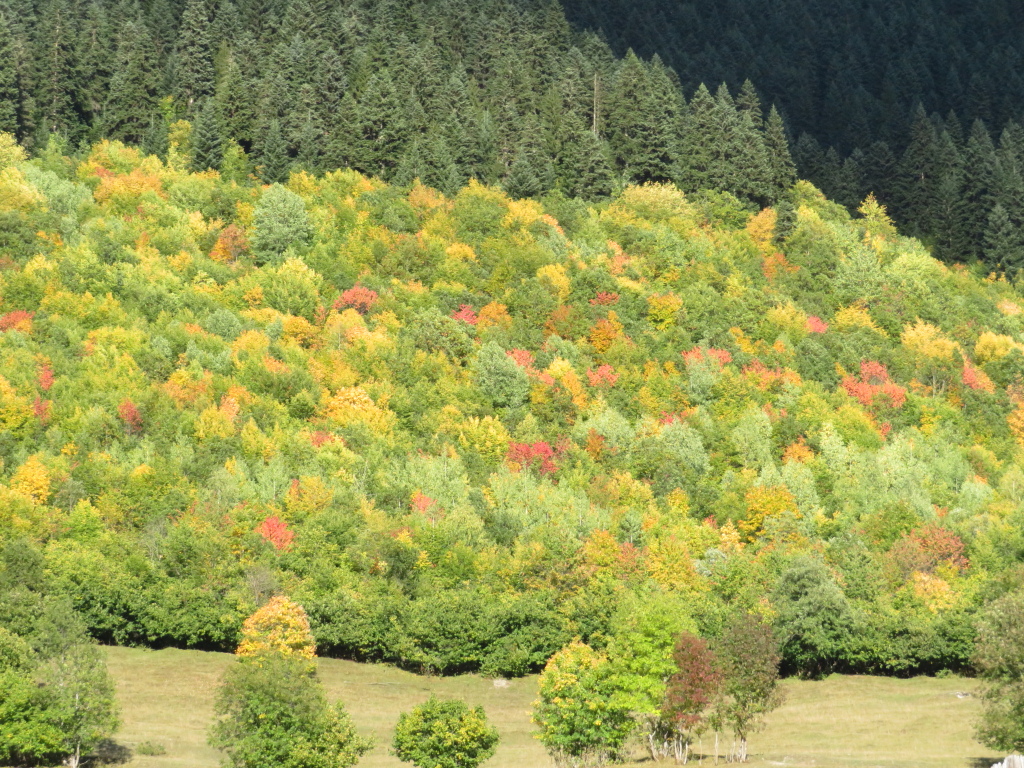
(130, 415)
(816, 325)
(359, 298)
(44, 376)
(698, 354)
(275, 530)
(926, 548)
(41, 408)
(874, 388)
(604, 376)
(605, 299)
(18, 317)
(526, 456)
(466, 314)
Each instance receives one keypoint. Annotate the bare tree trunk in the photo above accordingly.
(716, 747)
(743, 749)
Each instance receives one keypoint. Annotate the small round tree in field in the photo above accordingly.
(444, 734)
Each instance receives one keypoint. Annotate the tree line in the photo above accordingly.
(500, 92)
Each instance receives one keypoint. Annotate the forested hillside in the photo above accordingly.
(919, 102)
(463, 430)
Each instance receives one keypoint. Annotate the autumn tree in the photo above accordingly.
(691, 692)
(272, 708)
(580, 723)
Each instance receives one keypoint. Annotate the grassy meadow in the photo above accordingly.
(842, 722)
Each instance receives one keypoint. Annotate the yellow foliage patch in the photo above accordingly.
(280, 627)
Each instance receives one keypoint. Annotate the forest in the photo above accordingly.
(493, 349)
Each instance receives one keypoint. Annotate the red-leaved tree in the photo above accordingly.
(690, 692)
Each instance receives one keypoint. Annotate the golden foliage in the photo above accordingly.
(605, 332)
(279, 627)
(853, 317)
(928, 341)
(993, 346)
(352, 405)
(554, 278)
(32, 480)
(763, 504)
(663, 310)
(761, 228)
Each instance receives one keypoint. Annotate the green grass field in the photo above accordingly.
(842, 722)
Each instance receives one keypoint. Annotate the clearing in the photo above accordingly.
(167, 698)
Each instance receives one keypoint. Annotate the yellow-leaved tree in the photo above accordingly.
(280, 627)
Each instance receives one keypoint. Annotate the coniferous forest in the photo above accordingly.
(496, 346)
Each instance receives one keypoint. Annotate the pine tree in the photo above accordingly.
(9, 95)
(623, 126)
(207, 143)
(194, 55)
(381, 131)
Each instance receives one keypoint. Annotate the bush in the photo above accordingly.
(444, 734)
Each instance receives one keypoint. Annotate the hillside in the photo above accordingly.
(462, 430)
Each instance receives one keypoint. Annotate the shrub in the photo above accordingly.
(444, 734)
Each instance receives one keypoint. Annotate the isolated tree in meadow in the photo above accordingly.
(999, 661)
(690, 692)
(444, 734)
(56, 698)
(749, 657)
(272, 708)
(580, 721)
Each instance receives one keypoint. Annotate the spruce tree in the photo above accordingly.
(194, 71)
(584, 168)
(9, 95)
(94, 56)
(56, 70)
(131, 103)
(917, 176)
(697, 157)
(207, 142)
(623, 117)
(1004, 245)
(781, 168)
(979, 186)
(273, 161)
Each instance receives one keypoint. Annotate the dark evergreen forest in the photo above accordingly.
(917, 101)
(509, 92)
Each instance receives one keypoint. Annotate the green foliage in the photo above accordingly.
(273, 711)
(580, 721)
(280, 222)
(444, 734)
(999, 659)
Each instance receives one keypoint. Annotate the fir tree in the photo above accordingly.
(9, 96)
(131, 103)
(273, 161)
(1004, 246)
(781, 168)
(207, 143)
(194, 55)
